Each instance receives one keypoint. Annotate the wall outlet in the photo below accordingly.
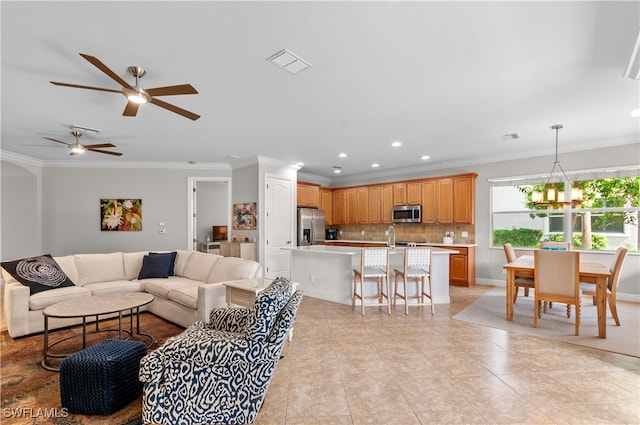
(465, 234)
(163, 231)
(362, 233)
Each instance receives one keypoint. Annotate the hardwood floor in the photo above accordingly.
(342, 368)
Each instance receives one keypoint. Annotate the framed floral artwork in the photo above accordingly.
(121, 215)
(244, 216)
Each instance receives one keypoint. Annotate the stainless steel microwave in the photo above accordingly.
(407, 214)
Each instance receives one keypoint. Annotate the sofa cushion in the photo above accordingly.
(199, 266)
(40, 273)
(114, 287)
(94, 268)
(161, 287)
(173, 256)
(68, 266)
(232, 268)
(157, 266)
(182, 257)
(46, 298)
(132, 264)
(185, 294)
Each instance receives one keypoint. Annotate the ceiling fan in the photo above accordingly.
(77, 148)
(136, 95)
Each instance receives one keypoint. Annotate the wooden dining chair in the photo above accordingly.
(557, 279)
(520, 281)
(416, 268)
(374, 267)
(612, 283)
(555, 246)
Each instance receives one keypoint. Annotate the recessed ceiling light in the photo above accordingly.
(375, 165)
(635, 113)
(396, 144)
(425, 157)
(342, 155)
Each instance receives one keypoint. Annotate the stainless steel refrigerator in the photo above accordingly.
(310, 226)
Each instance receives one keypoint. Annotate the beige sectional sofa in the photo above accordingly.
(184, 298)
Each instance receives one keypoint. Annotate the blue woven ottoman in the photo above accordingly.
(103, 378)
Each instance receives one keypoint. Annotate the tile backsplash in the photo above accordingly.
(406, 232)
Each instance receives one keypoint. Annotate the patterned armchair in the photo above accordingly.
(219, 372)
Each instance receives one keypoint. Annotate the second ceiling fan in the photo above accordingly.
(136, 95)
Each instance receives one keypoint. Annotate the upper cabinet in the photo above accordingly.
(449, 200)
(444, 200)
(308, 195)
(464, 199)
(326, 204)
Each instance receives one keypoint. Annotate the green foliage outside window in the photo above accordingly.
(523, 237)
(598, 241)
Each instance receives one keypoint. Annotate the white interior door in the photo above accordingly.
(278, 226)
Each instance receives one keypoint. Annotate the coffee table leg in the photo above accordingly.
(46, 341)
(120, 324)
(84, 331)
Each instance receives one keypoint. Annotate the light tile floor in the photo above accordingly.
(342, 368)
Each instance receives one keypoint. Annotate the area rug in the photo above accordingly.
(490, 310)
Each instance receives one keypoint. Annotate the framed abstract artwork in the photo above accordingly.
(121, 215)
(244, 216)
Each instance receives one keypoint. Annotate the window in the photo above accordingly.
(606, 219)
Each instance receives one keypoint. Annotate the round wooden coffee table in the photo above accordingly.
(94, 307)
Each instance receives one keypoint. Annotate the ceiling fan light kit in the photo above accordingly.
(136, 95)
(77, 148)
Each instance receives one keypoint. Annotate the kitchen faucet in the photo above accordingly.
(391, 233)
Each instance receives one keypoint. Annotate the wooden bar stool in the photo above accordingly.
(417, 268)
(374, 267)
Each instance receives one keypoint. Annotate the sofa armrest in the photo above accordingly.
(210, 296)
(16, 308)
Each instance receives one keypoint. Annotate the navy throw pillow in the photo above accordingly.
(38, 273)
(155, 266)
(173, 259)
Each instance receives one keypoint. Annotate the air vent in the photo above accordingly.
(289, 61)
(510, 136)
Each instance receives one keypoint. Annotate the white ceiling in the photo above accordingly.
(446, 79)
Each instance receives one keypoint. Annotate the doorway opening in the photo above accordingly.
(209, 204)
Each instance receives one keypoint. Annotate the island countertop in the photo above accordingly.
(362, 242)
(354, 250)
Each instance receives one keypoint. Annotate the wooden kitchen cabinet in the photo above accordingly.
(326, 204)
(340, 206)
(362, 205)
(352, 205)
(462, 267)
(464, 196)
(308, 195)
(437, 201)
(386, 193)
(400, 193)
(375, 207)
(414, 195)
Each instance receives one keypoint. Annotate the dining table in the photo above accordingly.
(590, 271)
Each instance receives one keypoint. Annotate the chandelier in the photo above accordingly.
(551, 197)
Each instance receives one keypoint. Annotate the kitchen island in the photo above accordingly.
(326, 272)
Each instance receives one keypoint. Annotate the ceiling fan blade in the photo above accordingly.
(131, 109)
(172, 90)
(101, 151)
(175, 109)
(57, 141)
(100, 145)
(84, 87)
(104, 68)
